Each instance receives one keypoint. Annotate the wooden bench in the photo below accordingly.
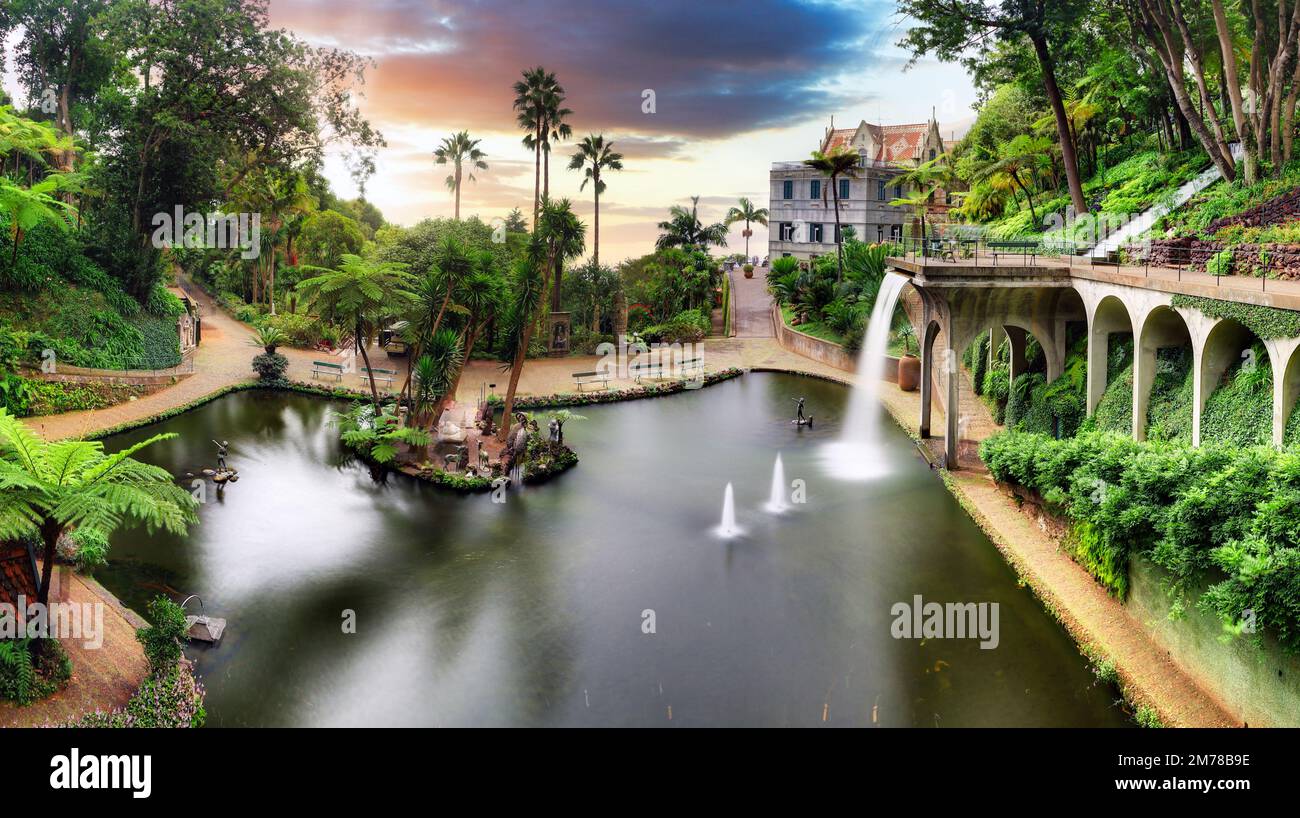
(1024, 249)
(385, 375)
(692, 369)
(591, 379)
(326, 368)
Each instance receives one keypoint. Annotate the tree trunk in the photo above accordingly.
(516, 369)
(370, 374)
(1068, 158)
(537, 178)
(595, 250)
(1233, 83)
(50, 531)
(458, 190)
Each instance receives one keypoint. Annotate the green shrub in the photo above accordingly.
(163, 639)
(1240, 411)
(270, 366)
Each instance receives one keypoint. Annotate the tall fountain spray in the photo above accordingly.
(856, 456)
(776, 499)
(728, 526)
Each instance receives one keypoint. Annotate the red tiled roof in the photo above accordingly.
(17, 573)
(894, 143)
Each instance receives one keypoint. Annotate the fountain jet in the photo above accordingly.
(776, 499)
(728, 528)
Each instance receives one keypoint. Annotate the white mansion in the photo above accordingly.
(801, 225)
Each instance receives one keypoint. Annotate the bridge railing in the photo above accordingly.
(981, 250)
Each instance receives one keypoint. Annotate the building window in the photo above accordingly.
(880, 232)
(839, 234)
(787, 189)
(786, 230)
(898, 191)
(895, 232)
(815, 233)
(844, 188)
(815, 189)
(880, 189)
(931, 154)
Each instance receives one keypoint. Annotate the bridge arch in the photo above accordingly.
(1107, 317)
(1226, 344)
(1160, 328)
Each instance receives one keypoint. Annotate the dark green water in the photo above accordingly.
(529, 612)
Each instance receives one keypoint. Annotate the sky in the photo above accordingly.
(736, 87)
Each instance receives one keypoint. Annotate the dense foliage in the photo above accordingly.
(1222, 514)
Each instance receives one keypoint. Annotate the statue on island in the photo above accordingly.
(554, 429)
(223, 448)
(800, 419)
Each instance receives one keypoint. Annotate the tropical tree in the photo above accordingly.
(836, 163)
(684, 229)
(459, 150)
(435, 372)
(539, 111)
(563, 238)
(26, 207)
(1017, 163)
(746, 213)
(48, 489)
(923, 180)
(480, 296)
(595, 155)
(359, 294)
(527, 292)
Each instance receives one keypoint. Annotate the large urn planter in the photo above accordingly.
(909, 373)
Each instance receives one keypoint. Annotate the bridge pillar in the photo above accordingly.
(952, 409)
(928, 331)
(1098, 355)
(1144, 374)
(1286, 384)
(1016, 336)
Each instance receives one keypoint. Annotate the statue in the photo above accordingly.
(222, 449)
(800, 419)
(554, 428)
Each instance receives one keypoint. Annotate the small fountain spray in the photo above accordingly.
(728, 529)
(776, 499)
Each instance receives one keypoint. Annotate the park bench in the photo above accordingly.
(385, 375)
(1024, 249)
(692, 368)
(326, 368)
(591, 379)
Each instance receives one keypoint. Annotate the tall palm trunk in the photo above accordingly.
(595, 251)
(457, 190)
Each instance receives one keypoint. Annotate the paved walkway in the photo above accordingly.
(753, 305)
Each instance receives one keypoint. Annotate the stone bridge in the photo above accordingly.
(960, 300)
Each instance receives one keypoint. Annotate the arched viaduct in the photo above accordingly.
(960, 301)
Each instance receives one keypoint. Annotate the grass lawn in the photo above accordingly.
(814, 328)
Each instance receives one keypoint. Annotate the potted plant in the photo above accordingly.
(268, 338)
(749, 270)
(909, 366)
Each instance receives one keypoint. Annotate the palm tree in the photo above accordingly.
(538, 103)
(838, 162)
(359, 294)
(747, 213)
(480, 296)
(51, 488)
(684, 229)
(557, 236)
(435, 371)
(526, 296)
(458, 149)
(563, 237)
(595, 154)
